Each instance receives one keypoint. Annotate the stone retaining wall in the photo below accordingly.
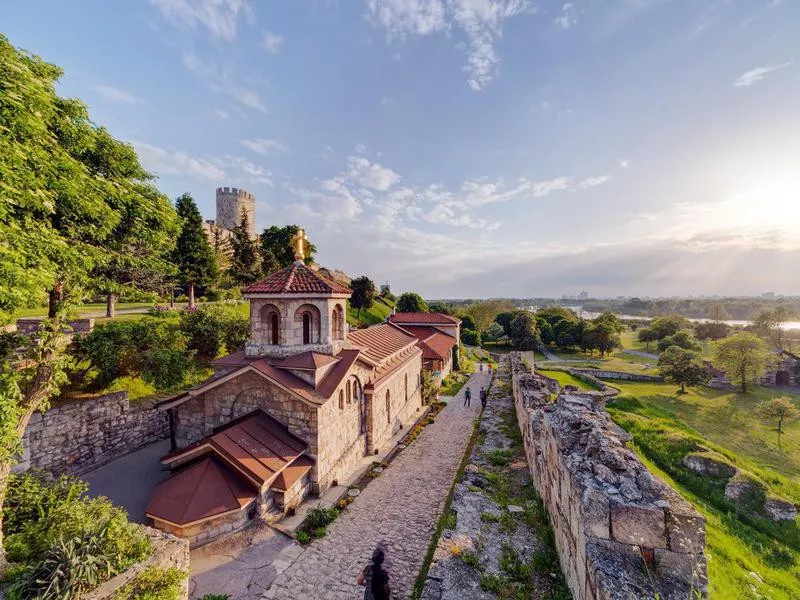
(622, 375)
(86, 432)
(610, 516)
(31, 326)
(168, 552)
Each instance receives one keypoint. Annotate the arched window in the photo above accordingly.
(273, 323)
(306, 328)
(349, 397)
(269, 324)
(388, 408)
(341, 399)
(337, 322)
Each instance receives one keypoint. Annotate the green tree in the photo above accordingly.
(523, 331)
(670, 325)
(683, 339)
(711, 331)
(647, 336)
(363, 293)
(717, 312)
(468, 323)
(471, 337)
(781, 409)
(411, 302)
(769, 324)
(504, 320)
(245, 260)
(494, 333)
(545, 329)
(682, 367)
(193, 255)
(65, 186)
(744, 357)
(276, 242)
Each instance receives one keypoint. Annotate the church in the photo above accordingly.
(298, 408)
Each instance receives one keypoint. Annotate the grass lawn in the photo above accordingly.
(377, 313)
(84, 308)
(563, 378)
(453, 383)
(729, 419)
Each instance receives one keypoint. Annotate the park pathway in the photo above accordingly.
(400, 508)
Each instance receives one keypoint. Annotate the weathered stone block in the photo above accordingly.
(639, 525)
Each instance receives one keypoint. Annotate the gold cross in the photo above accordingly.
(300, 239)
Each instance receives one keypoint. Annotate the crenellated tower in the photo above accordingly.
(231, 202)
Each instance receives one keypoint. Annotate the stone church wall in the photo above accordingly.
(402, 409)
(197, 418)
(86, 432)
(610, 516)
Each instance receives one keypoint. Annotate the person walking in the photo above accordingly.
(374, 577)
(481, 366)
(467, 396)
(484, 397)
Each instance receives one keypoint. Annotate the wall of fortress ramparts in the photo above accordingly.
(620, 532)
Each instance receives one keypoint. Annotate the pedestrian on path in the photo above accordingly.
(481, 366)
(484, 397)
(467, 396)
(374, 578)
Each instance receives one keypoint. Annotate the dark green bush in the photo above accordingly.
(165, 368)
(209, 327)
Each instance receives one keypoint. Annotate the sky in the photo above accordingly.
(467, 148)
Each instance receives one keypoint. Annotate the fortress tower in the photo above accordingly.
(230, 203)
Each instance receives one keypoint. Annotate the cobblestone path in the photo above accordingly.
(399, 508)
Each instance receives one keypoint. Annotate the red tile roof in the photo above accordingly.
(435, 344)
(410, 318)
(255, 445)
(297, 278)
(381, 341)
(307, 361)
(205, 489)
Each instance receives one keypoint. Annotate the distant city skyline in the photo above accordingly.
(458, 148)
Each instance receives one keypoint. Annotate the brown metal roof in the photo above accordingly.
(256, 445)
(205, 489)
(291, 474)
(413, 318)
(306, 361)
(339, 371)
(297, 278)
(434, 343)
(381, 341)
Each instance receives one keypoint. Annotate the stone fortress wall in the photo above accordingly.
(86, 432)
(231, 202)
(610, 516)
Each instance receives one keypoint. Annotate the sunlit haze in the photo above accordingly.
(641, 147)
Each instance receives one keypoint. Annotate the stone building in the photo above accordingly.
(437, 333)
(299, 408)
(785, 372)
(231, 202)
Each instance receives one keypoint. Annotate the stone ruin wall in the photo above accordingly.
(610, 516)
(88, 431)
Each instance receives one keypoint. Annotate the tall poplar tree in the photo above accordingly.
(193, 256)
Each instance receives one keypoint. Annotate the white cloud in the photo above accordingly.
(175, 162)
(480, 20)
(755, 75)
(222, 114)
(218, 169)
(272, 42)
(568, 16)
(222, 80)
(370, 175)
(219, 17)
(593, 182)
(624, 163)
(264, 146)
(115, 94)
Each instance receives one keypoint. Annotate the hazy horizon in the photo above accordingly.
(467, 148)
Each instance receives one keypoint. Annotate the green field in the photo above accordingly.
(377, 313)
(563, 378)
(665, 426)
